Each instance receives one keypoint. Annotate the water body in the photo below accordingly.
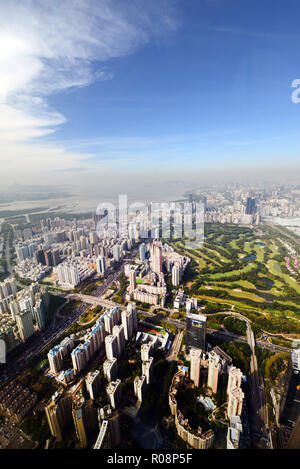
(252, 257)
(268, 284)
(260, 244)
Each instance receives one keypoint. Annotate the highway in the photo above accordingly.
(173, 354)
(38, 342)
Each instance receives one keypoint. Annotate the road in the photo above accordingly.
(172, 356)
(38, 342)
(259, 415)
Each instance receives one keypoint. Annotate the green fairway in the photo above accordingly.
(244, 268)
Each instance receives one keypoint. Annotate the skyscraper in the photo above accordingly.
(234, 378)
(132, 279)
(25, 324)
(195, 331)
(113, 391)
(118, 332)
(147, 367)
(55, 359)
(111, 347)
(213, 371)
(110, 369)
(129, 321)
(234, 392)
(109, 435)
(176, 275)
(250, 206)
(139, 387)
(49, 258)
(235, 402)
(59, 413)
(85, 422)
(195, 356)
(101, 265)
(156, 257)
(93, 383)
(116, 253)
(142, 252)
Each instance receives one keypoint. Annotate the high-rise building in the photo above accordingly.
(176, 275)
(156, 257)
(234, 432)
(116, 252)
(142, 252)
(127, 322)
(213, 371)
(56, 257)
(118, 332)
(104, 438)
(85, 422)
(93, 383)
(234, 378)
(113, 391)
(195, 356)
(25, 324)
(111, 318)
(59, 413)
(191, 303)
(101, 265)
(93, 237)
(49, 258)
(109, 435)
(195, 331)
(80, 356)
(132, 279)
(146, 351)
(22, 253)
(26, 303)
(111, 347)
(55, 359)
(39, 314)
(140, 387)
(9, 287)
(39, 257)
(250, 206)
(110, 369)
(15, 309)
(234, 392)
(68, 275)
(235, 402)
(147, 370)
(57, 354)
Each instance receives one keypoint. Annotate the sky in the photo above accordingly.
(109, 93)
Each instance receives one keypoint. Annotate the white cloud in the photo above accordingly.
(48, 46)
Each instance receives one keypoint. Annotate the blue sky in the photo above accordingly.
(174, 86)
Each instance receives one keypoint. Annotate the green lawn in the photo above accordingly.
(219, 256)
